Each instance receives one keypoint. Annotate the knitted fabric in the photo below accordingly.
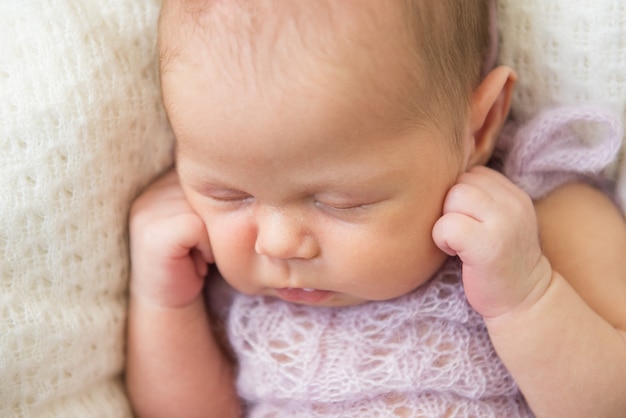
(567, 53)
(554, 148)
(426, 354)
(81, 131)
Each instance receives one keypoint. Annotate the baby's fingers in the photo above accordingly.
(458, 234)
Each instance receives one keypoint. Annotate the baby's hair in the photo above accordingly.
(455, 43)
(450, 42)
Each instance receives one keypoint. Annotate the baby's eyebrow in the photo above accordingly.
(207, 182)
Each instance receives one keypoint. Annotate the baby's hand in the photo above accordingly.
(170, 247)
(491, 225)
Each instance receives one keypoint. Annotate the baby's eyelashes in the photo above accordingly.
(340, 206)
(227, 195)
(344, 206)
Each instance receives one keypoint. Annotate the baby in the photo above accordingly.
(330, 160)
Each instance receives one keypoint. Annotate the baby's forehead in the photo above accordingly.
(280, 25)
(303, 47)
(265, 41)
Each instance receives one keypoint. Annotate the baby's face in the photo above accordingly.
(308, 193)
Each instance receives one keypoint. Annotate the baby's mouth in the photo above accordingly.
(305, 296)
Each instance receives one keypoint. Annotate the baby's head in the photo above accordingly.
(318, 139)
(423, 58)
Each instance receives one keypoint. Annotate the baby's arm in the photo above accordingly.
(568, 359)
(583, 234)
(591, 255)
(174, 365)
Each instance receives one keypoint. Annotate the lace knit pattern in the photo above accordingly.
(559, 145)
(425, 354)
(81, 131)
(566, 52)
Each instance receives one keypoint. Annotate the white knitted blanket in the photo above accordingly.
(81, 129)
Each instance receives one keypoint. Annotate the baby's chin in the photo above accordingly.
(320, 298)
(310, 297)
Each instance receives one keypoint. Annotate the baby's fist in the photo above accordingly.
(491, 225)
(170, 247)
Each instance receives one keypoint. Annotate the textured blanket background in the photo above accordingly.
(82, 130)
(567, 52)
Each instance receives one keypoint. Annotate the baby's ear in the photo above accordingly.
(489, 109)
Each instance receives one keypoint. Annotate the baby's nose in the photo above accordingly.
(283, 234)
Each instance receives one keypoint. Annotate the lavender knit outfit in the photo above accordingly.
(425, 354)
(561, 145)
